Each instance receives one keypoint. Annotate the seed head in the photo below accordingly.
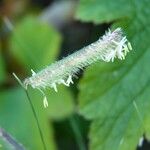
(110, 46)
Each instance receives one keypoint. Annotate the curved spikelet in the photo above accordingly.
(110, 46)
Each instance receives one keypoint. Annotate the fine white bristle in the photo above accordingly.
(110, 46)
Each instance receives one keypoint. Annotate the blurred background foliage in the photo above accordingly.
(36, 33)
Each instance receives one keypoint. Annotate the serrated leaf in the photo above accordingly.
(16, 117)
(99, 11)
(116, 95)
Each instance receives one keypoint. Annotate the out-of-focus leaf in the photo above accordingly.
(99, 11)
(2, 68)
(116, 95)
(34, 44)
(60, 103)
(17, 118)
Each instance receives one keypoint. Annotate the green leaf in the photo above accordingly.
(116, 96)
(99, 11)
(2, 68)
(16, 117)
(62, 101)
(34, 44)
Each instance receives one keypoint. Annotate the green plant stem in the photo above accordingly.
(36, 118)
(77, 133)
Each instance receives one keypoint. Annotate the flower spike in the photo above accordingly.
(110, 46)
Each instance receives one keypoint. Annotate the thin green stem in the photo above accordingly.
(36, 118)
(33, 110)
(77, 133)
